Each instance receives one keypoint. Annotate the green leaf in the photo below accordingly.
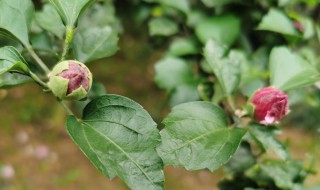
(49, 20)
(15, 19)
(298, 72)
(223, 29)
(94, 43)
(277, 21)
(226, 69)
(184, 93)
(182, 5)
(120, 137)
(183, 46)
(70, 10)
(196, 137)
(9, 80)
(11, 60)
(266, 138)
(162, 26)
(172, 72)
(285, 175)
(217, 3)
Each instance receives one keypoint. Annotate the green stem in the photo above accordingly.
(67, 41)
(38, 60)
(64, 105)
(38, 80)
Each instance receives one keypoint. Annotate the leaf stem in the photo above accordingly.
(38, 60)
(38, 80)
(64, 105)
(67, 41)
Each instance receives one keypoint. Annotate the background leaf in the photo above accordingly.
(266, 138)
(277, 21)
(182, 47)
(11, 60)
(119, 137)
(196, 137)
(15, 19)
(223, 29)
(49, 19)
(94, 43)
(162, 26)
(226, 69)
(9, 80)
(70, 10)
(288, 70)
(217, 3)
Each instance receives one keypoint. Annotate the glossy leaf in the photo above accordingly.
(266, 138)
(9, 80)
(298, 72)
(196, 137)
(11, 60)
(277, 21)
(226, 69)
(162, 26)
(94, 43)
(70, 10)
(223, 29)
(49, 19)
(15, 19)
(120, 137)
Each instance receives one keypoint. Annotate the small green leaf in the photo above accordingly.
(277, 21)
(11, 60)
(183, 46)
(94, 43)
(172, 72)
(9, 80)
(162, 26)
(49, 20)
(226, 69)
(196, 137)
(70, 10)
(266, 138)
(223, 29)
(120, 137)
(288, 70)
(217, 3)
(182, 5)
(15, 19)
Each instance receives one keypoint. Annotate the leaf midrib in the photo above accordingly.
(123, 151)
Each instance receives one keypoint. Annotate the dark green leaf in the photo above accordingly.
(226, 69)
(277, 21)
(15, 19)
(162, 26)
(49, 20)
(298, 72)
(70, 10)
(182, 5)
(120, 137)
(94, 43)
(9, 80)
(11, 60)
(223, 29)
(266, 138)
(196, 137)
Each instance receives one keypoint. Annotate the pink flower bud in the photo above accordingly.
(270, 104)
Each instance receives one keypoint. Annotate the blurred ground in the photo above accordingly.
(38, 153)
